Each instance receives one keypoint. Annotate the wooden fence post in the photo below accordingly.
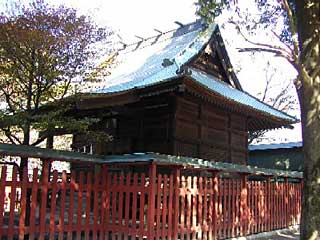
(215, 204)
(24, 189)
(2, 194)
(151, 199)
(300, 189)
(268, 201)
(105, 203)
(286, 201)
(176, 179)
(244, 205)
(44, 196)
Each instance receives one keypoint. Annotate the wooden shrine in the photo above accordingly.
(176, 94)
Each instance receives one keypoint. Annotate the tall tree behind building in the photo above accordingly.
(300, 38)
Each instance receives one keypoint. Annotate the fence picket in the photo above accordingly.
(127, 207)
(194, 206)
(79, 205)
(158, 207)
(134, 204)
(88, 205)
(33, 207)
(44, 197)
(54, 188)
(200, 208)
(62, 205)
(72, 186)
(2, 195)
(189, 208)
(12, 203)
(22, 219)
(96, 189)
(115, 207)
(205, 208)
(164, 207)
(170, 207)
(104, 226)
(142, 206)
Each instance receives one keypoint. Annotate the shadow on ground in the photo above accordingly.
(283, 235)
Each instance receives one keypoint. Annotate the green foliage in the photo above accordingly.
(208, 10)
(45, 53)
(272, 13)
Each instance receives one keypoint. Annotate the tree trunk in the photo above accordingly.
(310, 106)
(308, 28)
(24, 164)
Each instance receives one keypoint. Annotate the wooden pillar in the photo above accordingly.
(244, 205)
(176, 179)
(151, 200)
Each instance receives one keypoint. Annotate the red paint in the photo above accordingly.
(178, 206)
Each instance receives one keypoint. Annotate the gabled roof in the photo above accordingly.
(166, 57)
(157, 59)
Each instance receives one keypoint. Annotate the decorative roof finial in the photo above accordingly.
(123, 44)
(158, 31)
(179, 23)
(141, 38)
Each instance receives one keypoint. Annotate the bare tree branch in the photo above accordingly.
(12, 138)
(40, 140)
(262, 45)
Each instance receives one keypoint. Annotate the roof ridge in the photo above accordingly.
(162, 36)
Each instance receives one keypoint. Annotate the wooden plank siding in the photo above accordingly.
(176, 124)
(137, 127)
(205, 131)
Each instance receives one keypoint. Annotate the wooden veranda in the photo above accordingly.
(144, 196)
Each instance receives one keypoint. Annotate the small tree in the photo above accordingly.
(46, 54)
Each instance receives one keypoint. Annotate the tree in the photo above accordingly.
(300, 36)
(46, 54)
(277, 95)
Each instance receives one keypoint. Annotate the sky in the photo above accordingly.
(140, 18)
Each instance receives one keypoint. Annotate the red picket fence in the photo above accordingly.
(211, 207)
(124, 205)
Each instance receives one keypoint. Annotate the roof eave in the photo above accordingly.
(218, 99)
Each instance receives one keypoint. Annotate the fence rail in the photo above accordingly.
(151, 205)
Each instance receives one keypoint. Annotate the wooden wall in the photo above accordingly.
(141, 127)
(202, 130)
(178, 125)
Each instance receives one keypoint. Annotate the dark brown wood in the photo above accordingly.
(177, 124)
